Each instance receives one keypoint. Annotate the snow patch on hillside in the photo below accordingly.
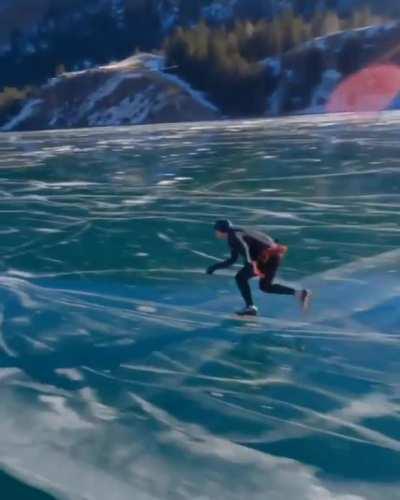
(219, 12)
(105, 90)
(330, 79)
(197, 96)
(151, 62)
(131, 110)
(25, 112)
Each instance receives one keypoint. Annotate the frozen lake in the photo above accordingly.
(123, 373)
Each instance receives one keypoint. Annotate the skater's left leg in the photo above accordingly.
(269, 270)
(268, 286)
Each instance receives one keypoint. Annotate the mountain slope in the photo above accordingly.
(308, 74)
(132, 91)
(138, 90)
(36, 36)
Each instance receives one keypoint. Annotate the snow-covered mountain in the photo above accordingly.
(138, 90)
(79, 38)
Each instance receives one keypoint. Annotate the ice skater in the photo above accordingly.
(262, 256)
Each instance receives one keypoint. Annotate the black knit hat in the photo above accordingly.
(223, 226)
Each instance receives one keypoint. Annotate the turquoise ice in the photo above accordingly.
(123, 372)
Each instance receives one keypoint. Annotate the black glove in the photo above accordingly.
(210, 270)
(248, 266)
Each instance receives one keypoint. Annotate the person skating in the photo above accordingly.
(262, 256)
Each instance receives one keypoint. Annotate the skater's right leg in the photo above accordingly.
(242, 280)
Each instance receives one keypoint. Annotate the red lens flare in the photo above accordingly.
(371, 89)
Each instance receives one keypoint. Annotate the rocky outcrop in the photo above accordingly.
(133, 91)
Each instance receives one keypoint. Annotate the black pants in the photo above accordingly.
(266, 284)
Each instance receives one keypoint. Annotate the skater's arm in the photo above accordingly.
(244, 247)
(226, 263)
(245, 250)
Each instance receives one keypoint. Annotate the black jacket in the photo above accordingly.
(246, 243)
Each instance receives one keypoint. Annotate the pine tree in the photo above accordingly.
(60, 69)
(314, 66)
(287, 23)
(276, 38)
(190, 10)
(362, 17)
(317, 22)
(349, 59)
(331, 23)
